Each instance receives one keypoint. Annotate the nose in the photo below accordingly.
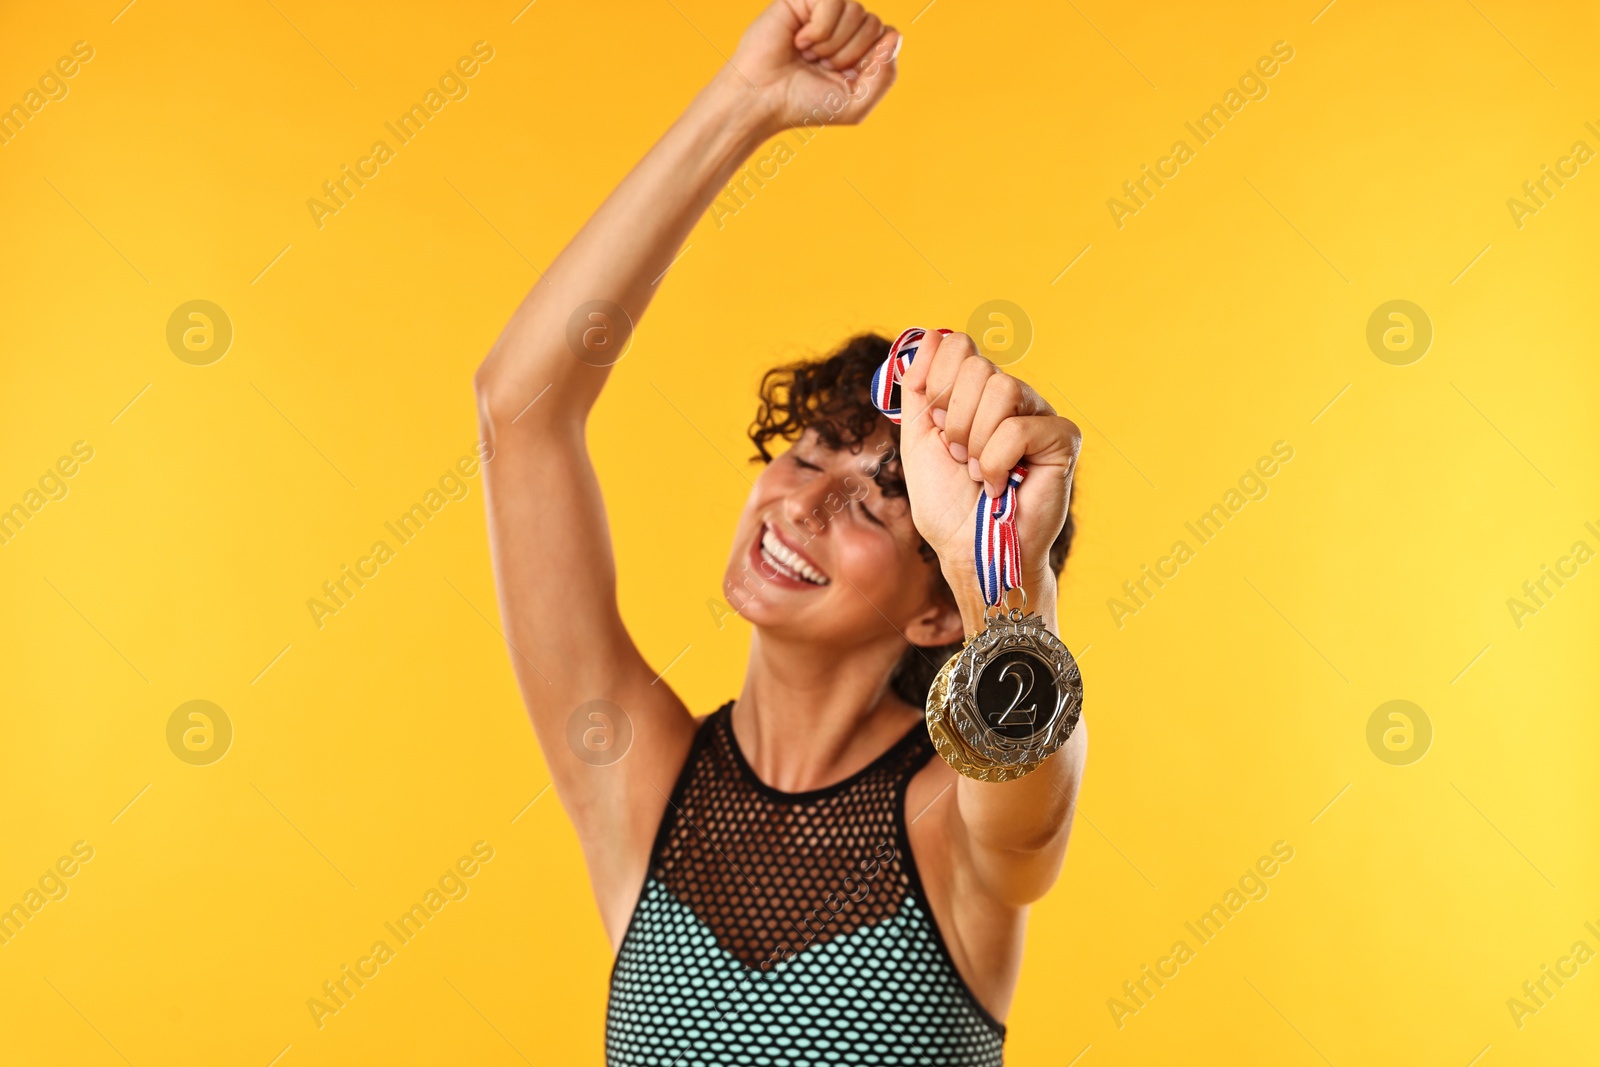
(806, 507)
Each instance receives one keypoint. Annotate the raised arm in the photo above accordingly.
(966, 424)
(549, 539)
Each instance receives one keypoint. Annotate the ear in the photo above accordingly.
(938, 623)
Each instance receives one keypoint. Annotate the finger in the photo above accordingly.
(971, 379)
(1002, 398)
(819, 27)
(850, 20)
(947, 360)
(1043, 440)
(850, 53)
(1032, 402)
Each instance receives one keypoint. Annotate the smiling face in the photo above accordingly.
(822, 554)
(826, 552)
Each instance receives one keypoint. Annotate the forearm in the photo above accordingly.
(620, 253)
(1028, 816)
(1015, 833)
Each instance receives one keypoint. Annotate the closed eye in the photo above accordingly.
(859, 502)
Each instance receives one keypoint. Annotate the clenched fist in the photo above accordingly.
(818, 61)
(965, 424)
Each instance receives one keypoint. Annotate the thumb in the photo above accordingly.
(872, 77)
(916, 422)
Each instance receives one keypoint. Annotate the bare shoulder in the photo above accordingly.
(983, 935)
(980, 899)
(937, 829)
(613, 733)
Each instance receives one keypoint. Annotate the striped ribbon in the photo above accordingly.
(996, 551)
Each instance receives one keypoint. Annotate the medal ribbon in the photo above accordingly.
(996, 551)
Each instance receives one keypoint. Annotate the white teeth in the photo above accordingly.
(787, 560)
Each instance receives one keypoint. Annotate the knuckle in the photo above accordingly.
(998, 403)
(978, 368)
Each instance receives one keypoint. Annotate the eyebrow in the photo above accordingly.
(896, 482)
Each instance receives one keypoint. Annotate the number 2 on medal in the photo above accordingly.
(1014, 715)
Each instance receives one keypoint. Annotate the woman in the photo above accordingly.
(792, 879)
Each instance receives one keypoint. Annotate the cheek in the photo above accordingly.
(742, 583)
(879, 566)
(767, 487)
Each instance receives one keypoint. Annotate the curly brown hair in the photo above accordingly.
(832, 396)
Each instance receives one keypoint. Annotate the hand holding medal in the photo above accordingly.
(988, 467)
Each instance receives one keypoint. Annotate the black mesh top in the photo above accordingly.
(787, 929)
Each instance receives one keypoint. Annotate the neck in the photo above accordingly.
(812, 715)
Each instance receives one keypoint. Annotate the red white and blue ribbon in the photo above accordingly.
(996, 551)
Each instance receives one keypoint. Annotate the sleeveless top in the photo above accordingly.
(788, 929)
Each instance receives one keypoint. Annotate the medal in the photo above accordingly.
(1013, 694)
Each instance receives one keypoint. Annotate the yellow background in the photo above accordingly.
(1223, 317)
